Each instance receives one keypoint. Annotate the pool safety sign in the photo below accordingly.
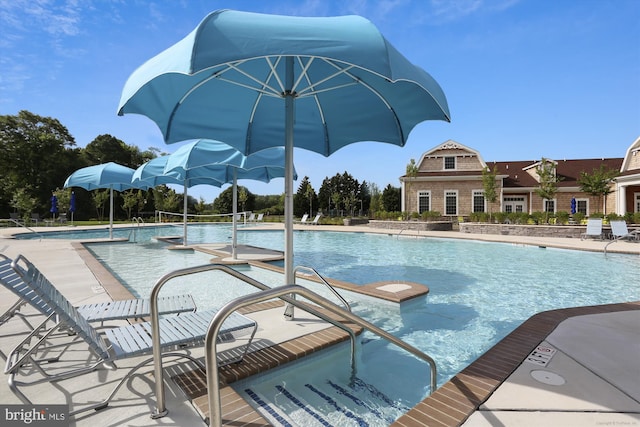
(541, 355)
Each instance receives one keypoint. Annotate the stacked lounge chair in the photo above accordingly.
(179, 332)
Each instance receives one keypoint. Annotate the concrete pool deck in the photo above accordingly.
(596, 353)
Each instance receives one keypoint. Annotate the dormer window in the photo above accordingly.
(449, 162)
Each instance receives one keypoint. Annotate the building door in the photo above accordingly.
(514, 204)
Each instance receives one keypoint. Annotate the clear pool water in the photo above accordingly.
(479, 292)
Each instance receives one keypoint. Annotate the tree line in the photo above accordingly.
(38, 153)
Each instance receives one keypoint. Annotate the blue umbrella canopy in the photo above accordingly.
(154, 173)
(214, 163)
(107, 175)
(54, 205)
(229, 79)
(257, 81)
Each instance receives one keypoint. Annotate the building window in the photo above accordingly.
(478, 201)
(424, 201)
(582, 206)
(550, 206)
(451, 202)
(637, 202)
(449, 162)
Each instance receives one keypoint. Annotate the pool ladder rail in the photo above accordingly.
(136, 221)
(265, 293)
(289, 312)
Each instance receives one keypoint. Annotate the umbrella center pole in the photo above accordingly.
(288, 182)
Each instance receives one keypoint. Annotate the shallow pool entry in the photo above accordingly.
(322, 392)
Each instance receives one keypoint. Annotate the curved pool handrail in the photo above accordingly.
(324, 281)
(211, 361)
(161, 409)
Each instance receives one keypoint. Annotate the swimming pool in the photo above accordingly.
(479, 292)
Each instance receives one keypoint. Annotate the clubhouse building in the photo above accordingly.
(449, 180)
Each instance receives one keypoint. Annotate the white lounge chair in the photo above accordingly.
(178, 332)
(315, 220)
(96, 312)
(260, 217)
(620, 231)
(252, 217)
(303, 220)
(594, 229)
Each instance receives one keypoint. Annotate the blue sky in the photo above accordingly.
(525, 79)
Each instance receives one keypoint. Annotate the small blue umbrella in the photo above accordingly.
(54, 206)
(215, 159)
(154, 173)
(107, 175)
(213, 163)
(72, 205)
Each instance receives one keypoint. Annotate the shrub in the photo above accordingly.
(539, 217)
(500, 217)
(562, 217)
(612, 217)
(578, 217)
(430, 215)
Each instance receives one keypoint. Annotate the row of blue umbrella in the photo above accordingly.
(199, 162)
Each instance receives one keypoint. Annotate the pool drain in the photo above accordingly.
(547, 377)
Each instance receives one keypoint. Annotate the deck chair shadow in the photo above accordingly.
(619, 231)
(179, 333)
(96, 312)
(594, 229)
(303, 220)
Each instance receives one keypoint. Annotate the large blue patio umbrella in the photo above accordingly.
(256, 81)
(107, 175)
(153, 173)
(217, 160)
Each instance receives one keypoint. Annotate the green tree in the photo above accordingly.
(490, 186)
(376, 199)
(243, 196)
(412, 169)
(548, 182)
(133, 199)
(23, 203)
(224, 202)
(598, 183)
(100, 197)
(391, 198)
(106, 148)
(304, 198)
(36, 155)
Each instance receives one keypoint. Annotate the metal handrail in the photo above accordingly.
(289, 311)
(211, 361)
(23, 225)
(161, 409)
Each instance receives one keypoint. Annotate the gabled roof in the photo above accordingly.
(452, 145)
(633, 150)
